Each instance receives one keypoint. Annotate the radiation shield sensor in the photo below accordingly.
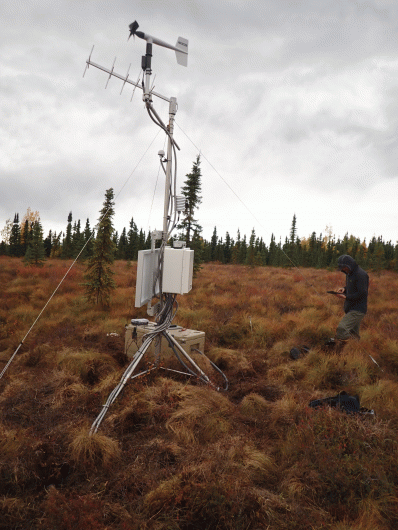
(146, 288)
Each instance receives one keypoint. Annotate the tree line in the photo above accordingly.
(316, 251)
(25, 239)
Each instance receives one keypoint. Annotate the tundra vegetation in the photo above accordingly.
(174, 454)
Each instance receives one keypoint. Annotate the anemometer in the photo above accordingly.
(162, 272)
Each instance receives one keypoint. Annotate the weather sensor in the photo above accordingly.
(181, 47)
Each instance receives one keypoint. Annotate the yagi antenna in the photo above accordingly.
(181, 47)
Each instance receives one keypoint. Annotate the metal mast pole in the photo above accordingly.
(172, 113)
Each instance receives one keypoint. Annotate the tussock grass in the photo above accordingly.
(201, 416)
(232, 360)
(14, 510)
(285, 411)
(70, 395)
(90, 366)
(40, 355)
(90, 451)
(13, 442)
(254, 407)
(383, 398)
(174, 454)
(282, 374)
(257, 464)
(335, 371)
(24, 312)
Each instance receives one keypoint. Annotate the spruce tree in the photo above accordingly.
(292, 246)
(67, 250)
(48, 244)
(132, 241)
(251, 251)
(56, 245)
(242, 250)
(15, 238)
(236, 249)
(197, 247)
(26, 235)
(78, 241)
(88, 241)
(122, 245)
(228, 248)
(272, 251)
(191, 191)
(141, 241)
(35, 253)
(99, 277)
(213, 245)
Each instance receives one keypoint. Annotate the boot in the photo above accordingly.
(335, 345)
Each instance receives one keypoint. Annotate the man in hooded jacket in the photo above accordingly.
(355, 295)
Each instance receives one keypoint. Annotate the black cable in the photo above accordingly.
(191, 372)
(216, 368)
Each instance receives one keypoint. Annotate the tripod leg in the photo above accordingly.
(128, 374)
(184, 353)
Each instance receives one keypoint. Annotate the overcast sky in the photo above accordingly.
(293, 105)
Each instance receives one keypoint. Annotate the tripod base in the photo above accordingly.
(192, 369)
(189, 339)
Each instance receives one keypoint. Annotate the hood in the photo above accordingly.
(346, 261)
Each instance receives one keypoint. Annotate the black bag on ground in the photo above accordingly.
(295, 353)
(349, 404)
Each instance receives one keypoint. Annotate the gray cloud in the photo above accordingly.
(289, 101)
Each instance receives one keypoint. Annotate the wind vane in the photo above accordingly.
(181, 47)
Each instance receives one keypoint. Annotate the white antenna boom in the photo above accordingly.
(124, 78)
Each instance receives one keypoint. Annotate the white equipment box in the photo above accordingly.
(188, 339)
(177, 273)
(177, 270)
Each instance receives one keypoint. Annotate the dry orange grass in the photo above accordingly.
(174, 454)
(92, 451)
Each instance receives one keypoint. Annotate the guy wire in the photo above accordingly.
(73, 263)
(327, 302)
(248, 209)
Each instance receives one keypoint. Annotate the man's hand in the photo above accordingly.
(340, 293)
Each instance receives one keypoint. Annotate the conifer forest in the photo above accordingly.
(25, 239)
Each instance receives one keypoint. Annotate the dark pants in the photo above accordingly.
(349, 325)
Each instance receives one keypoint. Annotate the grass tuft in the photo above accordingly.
(201, 416)
(90, 451)
(90, 366)
(254, 407)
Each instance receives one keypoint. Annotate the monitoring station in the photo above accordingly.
(163, 272)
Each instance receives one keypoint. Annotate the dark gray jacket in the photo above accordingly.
(356, 287)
